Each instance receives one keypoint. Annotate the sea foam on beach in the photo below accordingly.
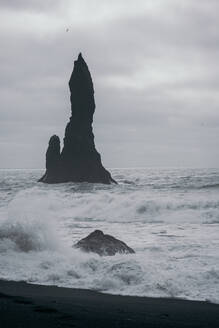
(169, 216)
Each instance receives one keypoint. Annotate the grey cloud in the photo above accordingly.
(30, 5)
(171, 114)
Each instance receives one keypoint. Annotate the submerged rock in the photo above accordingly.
(79, 160)
(98, 242)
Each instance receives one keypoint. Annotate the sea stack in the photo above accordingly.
(79, 160)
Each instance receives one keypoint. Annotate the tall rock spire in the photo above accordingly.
(79, 160)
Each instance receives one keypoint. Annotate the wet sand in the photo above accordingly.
(25, 305)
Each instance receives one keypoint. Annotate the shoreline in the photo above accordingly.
(30, 305)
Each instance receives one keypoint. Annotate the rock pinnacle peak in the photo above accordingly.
(80, 56)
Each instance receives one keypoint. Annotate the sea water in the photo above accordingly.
(169, 216)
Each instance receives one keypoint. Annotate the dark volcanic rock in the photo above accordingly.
(79, 160)
(98, 242)
(52, 160)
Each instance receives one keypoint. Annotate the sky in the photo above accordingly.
(154, 65)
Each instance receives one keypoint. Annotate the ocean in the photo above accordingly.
(169, 216)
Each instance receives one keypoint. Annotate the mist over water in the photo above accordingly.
(169, 216)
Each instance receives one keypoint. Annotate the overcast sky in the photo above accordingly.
(154, 65)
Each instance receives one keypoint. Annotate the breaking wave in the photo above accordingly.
(174, 234)
(29, 225)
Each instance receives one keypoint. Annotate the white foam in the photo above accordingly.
(174, 233)
(30, 225)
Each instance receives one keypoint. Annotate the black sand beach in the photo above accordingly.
(26, 305)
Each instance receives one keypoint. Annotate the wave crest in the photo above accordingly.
(28, 226)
